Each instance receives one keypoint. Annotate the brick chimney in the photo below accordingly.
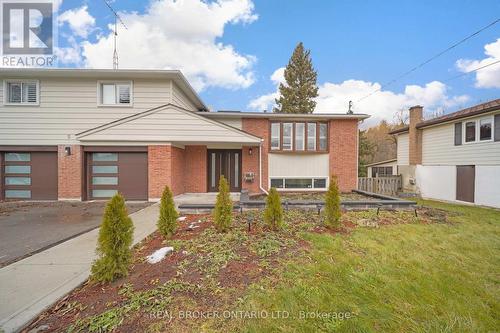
(415, 135)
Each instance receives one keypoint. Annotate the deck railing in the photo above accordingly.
(382, 185)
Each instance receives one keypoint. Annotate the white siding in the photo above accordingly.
(437, 182)
(487, 186)
(180, 99)
(438, 149)
(299, 165)
(166, 125)
(236, 123)
(403, 150)
(69, 106)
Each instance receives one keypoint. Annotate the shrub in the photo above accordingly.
(114, 242)
(167, 222)
(332, 205)
(223, 212)
(273, 214)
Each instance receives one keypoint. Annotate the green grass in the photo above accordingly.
(440, 277)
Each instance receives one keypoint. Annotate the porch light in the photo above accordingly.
(67, 150)
(250, 151)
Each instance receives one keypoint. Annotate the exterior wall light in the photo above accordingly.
(67, 150)
(250, 151)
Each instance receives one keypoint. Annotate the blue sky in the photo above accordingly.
(230, 49)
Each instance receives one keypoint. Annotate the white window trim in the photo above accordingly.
(312, 189)
(292, 137)
(118, 105)
(279, 136)
(6, 96)
(477, 122)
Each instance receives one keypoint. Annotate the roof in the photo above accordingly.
(382, 162)
(187, 128)
(475, 110)
(325, 116)
(121, 74)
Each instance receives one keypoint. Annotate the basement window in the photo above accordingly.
(298, 183)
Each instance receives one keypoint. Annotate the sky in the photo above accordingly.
(233, 51)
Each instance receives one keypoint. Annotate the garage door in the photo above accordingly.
(112, 172)
(29, 175)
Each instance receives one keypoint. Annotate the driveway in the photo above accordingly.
(29, 227)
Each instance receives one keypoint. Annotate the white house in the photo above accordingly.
(455, 157)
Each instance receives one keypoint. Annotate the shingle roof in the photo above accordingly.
(468, 112)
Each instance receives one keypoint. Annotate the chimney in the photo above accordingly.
(415, 135)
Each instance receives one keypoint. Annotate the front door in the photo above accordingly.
(227, 163)
(466, 176)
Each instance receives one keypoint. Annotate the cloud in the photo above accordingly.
(79, 21)
(70, 54)
(334, 98)
(488, 77)
(266, 102)
(180, 35)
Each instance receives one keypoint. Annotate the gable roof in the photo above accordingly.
(101, 74)
(167, 123)
(475, 110)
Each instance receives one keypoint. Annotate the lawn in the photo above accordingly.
(393, 273)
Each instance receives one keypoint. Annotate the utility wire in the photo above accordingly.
(471, 71)
(429, 60)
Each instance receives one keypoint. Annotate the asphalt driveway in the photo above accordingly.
(28, 227)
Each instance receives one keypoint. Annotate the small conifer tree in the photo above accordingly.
(273, 214)
(223, 212)
(114, 242)
(332, 204)
(167, 222)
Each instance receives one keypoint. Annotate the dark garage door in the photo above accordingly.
(112, 172)
(29, 175)
(466, 176)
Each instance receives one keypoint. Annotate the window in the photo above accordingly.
(478, 130)
(17, 181)
(311, 136)
(275, 135)
(287, 136)
(485, 129)
(18, 194)
(115, 93)
(470, 131)
(381, 172)
(103, 193)
(105, 157)
(323, 136)
(299, 136)
(298, 183)
(22, 92)
(104, 180)
(9, 169)
(17, 157)
(104, 169)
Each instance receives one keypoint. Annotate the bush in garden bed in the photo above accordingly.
(273, 214)
(114, 242)
(223, 211)
(167, 222)
(332, 211)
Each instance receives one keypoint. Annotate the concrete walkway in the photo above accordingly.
(31, 285)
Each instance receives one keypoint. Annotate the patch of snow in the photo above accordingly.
(181, 218)
(158, 255)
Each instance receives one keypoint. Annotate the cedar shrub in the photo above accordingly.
(273, 214)
(114, 242)
(167, 222)
(223, 212)
(332, 211)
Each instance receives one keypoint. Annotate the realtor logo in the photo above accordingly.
(28, 31)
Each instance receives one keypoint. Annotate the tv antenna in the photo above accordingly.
(115, 33)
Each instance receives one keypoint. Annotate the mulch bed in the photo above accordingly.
(207, 271)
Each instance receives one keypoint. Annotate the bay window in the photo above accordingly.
(299, 136)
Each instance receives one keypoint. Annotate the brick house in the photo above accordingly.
(81, 134)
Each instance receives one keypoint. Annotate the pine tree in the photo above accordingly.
(332, 205)
(223, 212)
(297, 95)
(114, 242)
(167, 222)
(273, 215)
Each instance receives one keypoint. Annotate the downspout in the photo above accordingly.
(260, 169)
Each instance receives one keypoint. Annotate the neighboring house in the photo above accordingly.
(85, 134)
(455, 157)
(386, 168)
